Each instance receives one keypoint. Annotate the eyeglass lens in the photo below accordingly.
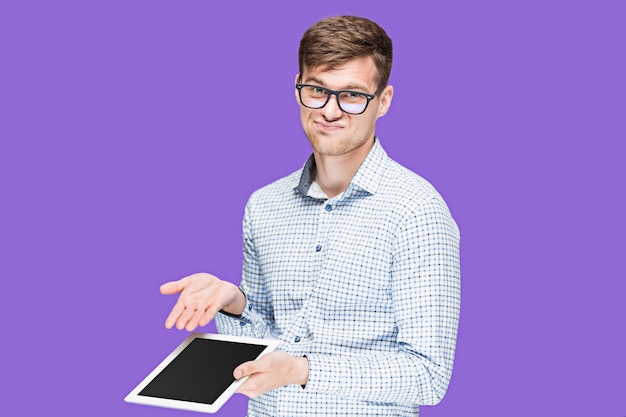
(349, 101)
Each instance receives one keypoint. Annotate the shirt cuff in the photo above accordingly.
(325, 374)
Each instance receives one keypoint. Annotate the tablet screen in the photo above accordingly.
(202, 371)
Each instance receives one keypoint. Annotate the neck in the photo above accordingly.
(333, 173)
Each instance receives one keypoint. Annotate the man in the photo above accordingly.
(351, 262)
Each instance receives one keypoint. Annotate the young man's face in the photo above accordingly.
(330, 130)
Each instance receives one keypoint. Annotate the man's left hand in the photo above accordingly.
(272, 371)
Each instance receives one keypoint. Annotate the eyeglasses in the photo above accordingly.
(351, 102)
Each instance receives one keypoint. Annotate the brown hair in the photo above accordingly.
(336, 40)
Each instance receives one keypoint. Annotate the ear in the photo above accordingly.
(295, 90)
(385, 100)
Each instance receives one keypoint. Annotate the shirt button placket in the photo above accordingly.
(328, 207)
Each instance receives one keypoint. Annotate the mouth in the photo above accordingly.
(327, 127)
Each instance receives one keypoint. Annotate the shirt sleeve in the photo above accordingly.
(426, 301)
(253, 322)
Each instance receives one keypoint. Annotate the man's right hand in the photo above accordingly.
(201, 297)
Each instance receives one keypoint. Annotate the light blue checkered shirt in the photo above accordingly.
(366, 285)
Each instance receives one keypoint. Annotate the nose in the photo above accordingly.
(331, 110)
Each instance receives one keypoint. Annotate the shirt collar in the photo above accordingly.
(367, 177)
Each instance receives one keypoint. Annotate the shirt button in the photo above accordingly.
(328, 207)
(318, 248)
(297, 339)
(242, 323)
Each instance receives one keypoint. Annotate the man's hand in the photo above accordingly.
(271, 371)
(202, 296)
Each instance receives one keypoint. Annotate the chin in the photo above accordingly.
(325, 145)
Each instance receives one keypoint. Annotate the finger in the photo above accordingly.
(247, 388)
(194, 321)
(254, 386)
(184, 318)
(208, 315)
(173, 287)
(177, 310)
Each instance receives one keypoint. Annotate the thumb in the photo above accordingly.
(173, 287)
(245, 369)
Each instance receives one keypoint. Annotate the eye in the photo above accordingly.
(352, 97)
(319, 90)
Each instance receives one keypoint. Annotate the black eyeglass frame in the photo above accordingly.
(336, 93)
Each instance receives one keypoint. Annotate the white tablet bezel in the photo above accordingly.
(135, 398)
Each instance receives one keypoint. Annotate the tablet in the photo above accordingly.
(198, 374)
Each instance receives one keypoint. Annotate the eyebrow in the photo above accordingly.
(347, 87)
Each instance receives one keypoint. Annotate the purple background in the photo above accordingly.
(133, 132)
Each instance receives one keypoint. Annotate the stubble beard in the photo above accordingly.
(334, 145)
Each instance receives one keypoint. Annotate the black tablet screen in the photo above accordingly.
(202, 371)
